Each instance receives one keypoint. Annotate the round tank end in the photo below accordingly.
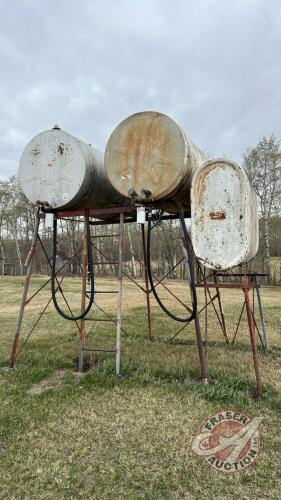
(146, 155)
(52, 168)
(224, 215)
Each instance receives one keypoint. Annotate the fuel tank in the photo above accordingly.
(224, 215)
(149, 158)
(65, 172)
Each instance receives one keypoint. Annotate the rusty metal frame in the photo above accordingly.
(247, 282)
(130, 276)
(127, 215)
(116, 321)
(16, 348)
(119, 216)
(83, 297)
(200, 344)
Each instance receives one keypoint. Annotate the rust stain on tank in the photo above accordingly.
(148, 152)
(139, 141)
(202, 218)
(224, 223)
(217, 215)
(61, 148)
(202, 181)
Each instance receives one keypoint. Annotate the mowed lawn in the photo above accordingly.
(65, 436)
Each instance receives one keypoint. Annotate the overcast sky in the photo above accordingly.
(212, 65)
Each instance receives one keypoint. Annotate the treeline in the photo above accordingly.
(17, 226)
(17, 219)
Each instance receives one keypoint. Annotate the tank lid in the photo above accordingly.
(56, 127)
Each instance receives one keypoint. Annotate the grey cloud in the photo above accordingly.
(212, 65)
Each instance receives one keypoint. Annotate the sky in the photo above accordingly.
(214, 66)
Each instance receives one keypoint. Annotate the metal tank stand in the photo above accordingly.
(83, 297)
(250, 316)
(113, 216)
(160, 282)
(25, 300)
(202, 282)
(247, 281)
(127, 270)
(254, 283)
(116, 321)
(28, 264)
(146, 281)
(201, 346)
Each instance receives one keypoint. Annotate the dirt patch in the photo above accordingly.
(54, 382)
(5, 369)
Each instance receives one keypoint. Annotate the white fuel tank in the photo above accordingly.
(224, 216)
(65, 172)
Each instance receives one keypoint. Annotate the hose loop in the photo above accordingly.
(90, 267)
(152, 223)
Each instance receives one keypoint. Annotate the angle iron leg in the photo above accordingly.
(253, 339)
(120, 290)
(146, 282)
(224, 329)
(264, 333)
(200, 345)
(28, 263)
(83, 297)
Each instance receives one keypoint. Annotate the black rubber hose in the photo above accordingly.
(191, 272)
(91, 269)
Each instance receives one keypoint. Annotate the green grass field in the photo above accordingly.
(64, 436)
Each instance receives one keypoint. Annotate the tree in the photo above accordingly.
(263, 164)
(4, 199)
(20, 215)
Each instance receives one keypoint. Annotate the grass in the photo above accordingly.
(64, 436)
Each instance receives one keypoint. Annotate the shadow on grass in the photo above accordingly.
(59, 351)
(273, 353)
(222, 387)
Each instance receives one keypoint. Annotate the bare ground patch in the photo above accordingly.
(54, 382)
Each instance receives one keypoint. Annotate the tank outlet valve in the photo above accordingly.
(146, 193)
(141, 215)
(132, 193)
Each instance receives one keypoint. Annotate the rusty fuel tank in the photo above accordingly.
(65, 172)
(148, 158)
(224, 216)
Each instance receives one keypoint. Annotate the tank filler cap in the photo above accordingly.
(56, 127)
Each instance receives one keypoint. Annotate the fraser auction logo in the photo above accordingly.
(229, 441)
